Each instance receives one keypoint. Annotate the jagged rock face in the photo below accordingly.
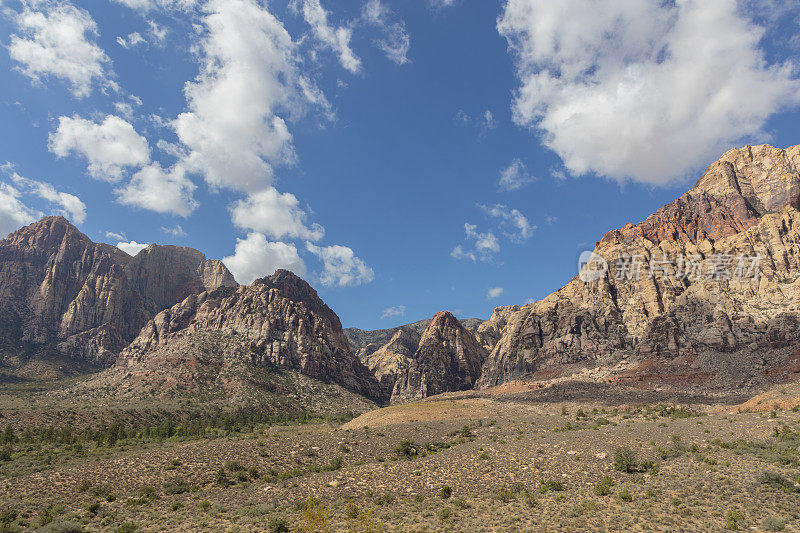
(681, 333)
(489, 333)
(61, 291)
(167, 275)
(449, 358)
(277, 322)
(387, 361)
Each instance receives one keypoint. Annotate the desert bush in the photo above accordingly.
(176, 486)
(603, 488)
(445, 492)
(551, 485)
(777, 481)
(625, 460)
(351, 510)
(773, 523)
(406, 449)
(625, 495)
(62, 526)
(278, 525)
(734, 520)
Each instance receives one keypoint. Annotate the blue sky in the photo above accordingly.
(404, 157)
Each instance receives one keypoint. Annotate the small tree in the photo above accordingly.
(625, 460)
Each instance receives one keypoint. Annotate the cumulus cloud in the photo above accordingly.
(275, 214)
(160, 190)
(515, 176)
(132, 247)
(116, 236)
(13, 212)
(57, 39)
(249, 74)
(395, 311)
(337, 39)
(395, 42)
(641, 89)
(256, 257)
(514, 224)
(108, 147)
(65, 204)
(494, 292)
(341, 266)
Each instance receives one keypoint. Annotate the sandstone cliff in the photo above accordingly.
(62, 293)
(681, 323)
(277, 322)
(449, 358)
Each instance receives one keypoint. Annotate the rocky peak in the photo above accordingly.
(60, 292)
(449, 358)
(297, 289)
(166, 275)
(691, 332)
(277, 322)
(729, 198)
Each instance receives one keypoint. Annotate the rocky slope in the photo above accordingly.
(449, 358)
(276, 323)
(61, 293)
(388, 352)
(695, 317)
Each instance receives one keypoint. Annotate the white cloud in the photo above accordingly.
(176, 231)
(337, 39)
(57, 39)
(486, 245)
(341, 266)
(278, 215)
(489, 122)
(459, 253)
(395, 42)
(461, 117)
(159, 33)
(108, 147)
(69, 205)
(255, 257)
(132, 247)
(160, 190)
(116, 236)
(442, 3)
(131, 40)
(13, 213)
(515, 176)
(147, 5)
(395, 311)
(494, 292)
(641, 90)
(249, 73)
(521, 229)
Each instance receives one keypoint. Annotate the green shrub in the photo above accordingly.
(233, 466)
(625, 460)
(445, 513)
(62, 526)
(773, 523)
(278, 525)
(551, 485)
(445, 492)
(351, 510)
(406, 449)
(625, 495)
(603, 488)
(176, 486)
(734, 520)
(777, 481)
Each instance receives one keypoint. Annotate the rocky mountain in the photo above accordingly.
(62, 294)
(449, 358)
(702, 295)
(388, 352)
(278, 322)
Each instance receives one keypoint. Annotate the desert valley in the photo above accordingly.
(153, 392)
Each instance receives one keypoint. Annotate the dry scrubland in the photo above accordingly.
(460, 464)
